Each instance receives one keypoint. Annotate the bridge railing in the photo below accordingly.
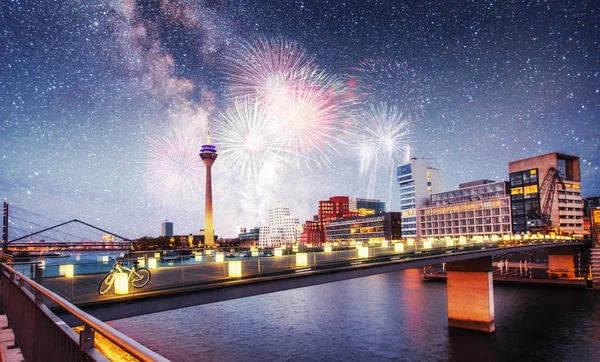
(40, 333)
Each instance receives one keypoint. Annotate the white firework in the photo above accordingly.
(248, 143)
(383, 136)
(174, 170)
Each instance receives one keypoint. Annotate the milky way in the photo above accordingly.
(90, 89)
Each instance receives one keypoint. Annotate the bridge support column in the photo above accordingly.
(561, 262)
(471, 295)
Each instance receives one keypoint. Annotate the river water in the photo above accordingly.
(394, 316)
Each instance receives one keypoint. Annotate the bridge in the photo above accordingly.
(469, 275)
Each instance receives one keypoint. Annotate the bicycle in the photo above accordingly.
(139, 277)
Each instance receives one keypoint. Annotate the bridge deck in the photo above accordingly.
(82, 290)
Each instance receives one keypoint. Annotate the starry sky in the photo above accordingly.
(88, 88)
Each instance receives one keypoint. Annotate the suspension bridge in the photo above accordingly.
(24, 230)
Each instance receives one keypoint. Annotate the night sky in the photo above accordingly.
(102, 100)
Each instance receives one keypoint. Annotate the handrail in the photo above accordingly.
(129, 345)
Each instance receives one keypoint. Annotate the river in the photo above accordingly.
(394, 316)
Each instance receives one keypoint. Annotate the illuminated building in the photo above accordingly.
(367, 206)
(476, 208)
(167, 228)
(208, 154)
(336, 208)
(249, 236)
(365, 228)
(282, 228)
(527, 197)
(417, 180)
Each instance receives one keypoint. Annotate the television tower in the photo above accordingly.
(208, 154)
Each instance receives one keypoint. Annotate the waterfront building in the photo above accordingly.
(367, 206)
(365, 229)
(249, 236)
(335, 208)
(167, 228)
(282, 228)
(417, 179)
(476, 208)
(546, 186)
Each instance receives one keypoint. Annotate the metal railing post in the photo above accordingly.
(86, 341)
(38, 279)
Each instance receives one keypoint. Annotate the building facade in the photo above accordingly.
(476, 208)
(282, 228)
(249, 236)
(386, 226)
(547, 186)
(167, 228)
(336, 208)
(417, 179)
(367, 206)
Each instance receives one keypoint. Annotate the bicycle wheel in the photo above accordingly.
(140, 277)
(107, 283)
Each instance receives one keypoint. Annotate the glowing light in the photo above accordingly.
(301, 259)
(121, 283)
(384, 243)
(198, 257)
(410, 241)
(141, 261)
(235, 269)
(255, 253)
(69, 271)
(327, 248)
(278, 252)
(363, 252)
(462, 240)
(295, 248)
(427, 244)
(104, 258)
(152, 263)
(449, 243)
(219, 257)
(399, 248)
(157, 255)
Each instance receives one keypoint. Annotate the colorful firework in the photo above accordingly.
(174, 170)
(266, 67)
(391, 81)
(383, 136)
(304, 106)
(247, 141)
(309, 116)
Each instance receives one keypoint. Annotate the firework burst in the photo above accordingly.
(383, 135)
(266, 67)
(248, 142)
(391, 81)
(174, 170)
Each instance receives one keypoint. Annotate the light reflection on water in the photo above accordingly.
(393, 316)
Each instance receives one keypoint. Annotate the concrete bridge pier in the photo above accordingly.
(471, 295)
(561, 262)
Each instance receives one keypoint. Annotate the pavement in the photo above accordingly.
(8, 351)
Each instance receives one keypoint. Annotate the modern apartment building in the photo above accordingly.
(282, 228)
(476, 208)
(385, 226)
(417, 179)
(547, 185)
(167, 228)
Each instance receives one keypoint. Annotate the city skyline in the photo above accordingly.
(102, 103)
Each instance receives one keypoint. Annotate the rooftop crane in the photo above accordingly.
(541, 221)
